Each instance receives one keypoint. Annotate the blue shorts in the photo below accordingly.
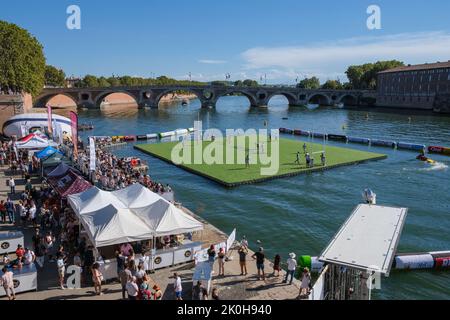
(178, 294)
(260, 266)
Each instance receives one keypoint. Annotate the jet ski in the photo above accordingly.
(423, 158)
(369, 196)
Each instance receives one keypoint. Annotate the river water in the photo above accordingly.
(300, 214)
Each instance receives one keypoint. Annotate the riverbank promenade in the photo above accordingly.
(232, 286)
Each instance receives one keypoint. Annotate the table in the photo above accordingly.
(9, 241)
(25, 279)
(160, 259)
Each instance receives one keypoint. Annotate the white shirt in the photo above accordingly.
(132, 289)
(11, 182)
(177, 285)
(32, 212)
(292, 264)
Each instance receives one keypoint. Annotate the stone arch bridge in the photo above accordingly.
(149, 96)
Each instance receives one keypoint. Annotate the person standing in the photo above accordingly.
(260, 258)
(124, 276)
(243, 259)
(276, 265)
(305, 282)
(197, 291)
(3, 211)
(7, 281)
(215, 294)
(12, 185)
(61, 270)
(292, 266)
(10, 210)
(132, 288)
(177, 287)
(221, 260)
(211, 255)
(247, 160)
(304, 148)
(97, 278)
(157, 295)
(323, 159)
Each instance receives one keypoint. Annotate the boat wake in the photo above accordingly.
(436, 167)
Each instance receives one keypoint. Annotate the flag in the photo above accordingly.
(49, 119)
(92, 154)
(74, 126)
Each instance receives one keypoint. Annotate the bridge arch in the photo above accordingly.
(121, 97)
(291, 98)
(320, 99)
(173, 91)
(42, 100)
(348, 100)
(251, 98)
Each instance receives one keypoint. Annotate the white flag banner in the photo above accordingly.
(231, 239)
(92, 154)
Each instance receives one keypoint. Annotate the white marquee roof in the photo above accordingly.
(131, 214)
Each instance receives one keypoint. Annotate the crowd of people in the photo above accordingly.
(114, 173)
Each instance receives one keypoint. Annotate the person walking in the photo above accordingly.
(243, 259)
(221, 261)
(177, 287)
(12, 185)
(7, 281)
(297, 158)
(292, 266)
(260, 258)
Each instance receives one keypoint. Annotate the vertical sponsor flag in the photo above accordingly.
(74, 126)
(231, 239)
(92, 154)
(49, 118)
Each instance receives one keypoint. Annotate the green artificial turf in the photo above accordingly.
(236, 174)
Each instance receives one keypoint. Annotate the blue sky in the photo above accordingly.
(282, 39)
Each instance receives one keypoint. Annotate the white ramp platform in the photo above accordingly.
(368, 239)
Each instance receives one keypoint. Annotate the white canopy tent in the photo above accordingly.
(131, 214)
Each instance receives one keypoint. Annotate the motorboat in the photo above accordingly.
(369, 196)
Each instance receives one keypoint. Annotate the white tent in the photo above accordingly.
(161, 215)
(34, 141)
(131, 214)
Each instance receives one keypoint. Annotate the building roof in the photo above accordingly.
(425, 66)
(368, 239)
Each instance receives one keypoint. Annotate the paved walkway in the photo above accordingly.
(232, 286)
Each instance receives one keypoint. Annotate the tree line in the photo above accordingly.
(360, 77)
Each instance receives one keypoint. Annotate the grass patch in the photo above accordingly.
(231, 175)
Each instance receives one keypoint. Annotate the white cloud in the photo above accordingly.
(330, 59)
(211, 61)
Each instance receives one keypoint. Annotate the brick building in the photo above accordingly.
(423, 86)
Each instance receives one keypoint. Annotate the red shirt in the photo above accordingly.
(20, 252)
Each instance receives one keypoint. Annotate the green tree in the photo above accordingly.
(332, 85)
(365, 76)
(22, 61)
(250, 83)
(238, 83)
(54, 77)
(90, 81)
(309, 83)
(103, 82)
